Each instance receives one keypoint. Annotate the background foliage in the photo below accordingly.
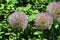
(31, 8)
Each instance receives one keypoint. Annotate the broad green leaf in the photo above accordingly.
(1, 33)
(37, 33)
(7, 33)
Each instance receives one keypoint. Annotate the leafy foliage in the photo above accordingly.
(31, 8)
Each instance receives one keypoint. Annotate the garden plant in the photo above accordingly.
(29, 19)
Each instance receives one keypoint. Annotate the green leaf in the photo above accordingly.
(37, 39)
(7, 33)
(13, 1)
(7, 1)
(56, 26)
(10, 38)
(1, 33)
(44, 39)
(58, 37)
(49, 27)
(31, 17)
(13, 34)
(1, 37)
(37, 33)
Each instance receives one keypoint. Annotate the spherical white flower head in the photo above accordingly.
(18, 20)
(43, 20)
(54, 10)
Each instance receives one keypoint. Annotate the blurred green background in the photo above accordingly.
(31, 8)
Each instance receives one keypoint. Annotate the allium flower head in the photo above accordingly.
(54, 10)
(43, 20)
(18, 20)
